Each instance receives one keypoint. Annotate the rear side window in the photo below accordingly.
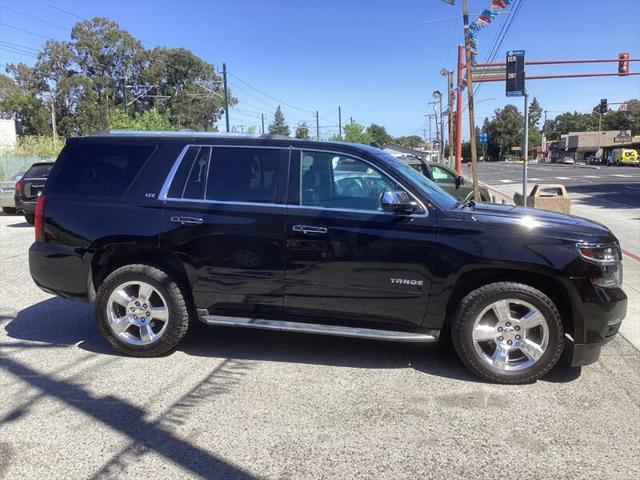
(100, 170)
(232, 174)
(39, 171)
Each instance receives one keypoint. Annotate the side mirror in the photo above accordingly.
(459, 181)
(397, 201)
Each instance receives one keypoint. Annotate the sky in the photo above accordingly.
(378, 60)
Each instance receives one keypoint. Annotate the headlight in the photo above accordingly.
(608, 258)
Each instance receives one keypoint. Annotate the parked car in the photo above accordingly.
(592, 160)
(29, 187)
(446, 178)
(567, 161)
(161, 230)
(7, 191)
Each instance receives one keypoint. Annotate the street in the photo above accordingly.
(253, 404)
(603, 183)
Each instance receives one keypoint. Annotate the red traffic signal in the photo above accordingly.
(623, 64)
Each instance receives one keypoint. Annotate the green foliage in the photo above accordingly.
(279, 125)
(84, 79)
(355, 133)
(378, 134)
(149, 120)
(535, 113)
(34, 146)
(505, 130)
(411, 141)
(302, 131)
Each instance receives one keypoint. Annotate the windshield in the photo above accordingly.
(434, 192)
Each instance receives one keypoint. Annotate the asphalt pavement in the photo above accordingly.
(232, 403)
(608, 183)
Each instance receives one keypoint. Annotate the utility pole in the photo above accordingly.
(459, 115)
(441, 131)
(262, 118)
(429, 115)
(544, 134)
(472, 122)
(54, 127)
(124, 94)
(226, 95)
(339, 123)
(317, 125)
(525, 147)
(450, 110)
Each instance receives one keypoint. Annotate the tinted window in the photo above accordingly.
(336, 181)
(39, 171)
(230, 174)
(100, 169)
(442, 175)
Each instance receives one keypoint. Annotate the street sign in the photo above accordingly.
(624, 107)
(488, 73)
(483, 138)
(515, 73)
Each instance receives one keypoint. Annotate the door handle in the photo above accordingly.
(309, 229)
(187, 220)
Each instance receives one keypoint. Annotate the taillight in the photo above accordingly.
(18, 188)
(39, 224)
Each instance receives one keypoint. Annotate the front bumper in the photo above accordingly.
(597, 315)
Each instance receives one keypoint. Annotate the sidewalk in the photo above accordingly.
(624, 222)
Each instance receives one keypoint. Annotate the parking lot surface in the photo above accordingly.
(234, 403)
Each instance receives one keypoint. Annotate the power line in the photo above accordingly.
(34, 17)
(271, 96)
(61, 9)
(23, 47)
(11, 50)
(25, 31)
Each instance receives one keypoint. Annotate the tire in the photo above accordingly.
(131, 341)
(479, 342)
(30, 218)
(9, 210)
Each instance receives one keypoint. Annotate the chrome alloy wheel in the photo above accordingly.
(510, 335)
(137, 313)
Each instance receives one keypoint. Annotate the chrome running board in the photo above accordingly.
(320, 329)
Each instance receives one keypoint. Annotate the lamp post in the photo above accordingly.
(438, 97)
(449, 74)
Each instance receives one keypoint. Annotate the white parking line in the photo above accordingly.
(563, 178)
(622, 175)
(506, 181)
(590, 176)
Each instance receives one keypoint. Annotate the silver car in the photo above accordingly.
(7, 203)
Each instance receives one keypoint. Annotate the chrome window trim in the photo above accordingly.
(424, 213)
(176, 164)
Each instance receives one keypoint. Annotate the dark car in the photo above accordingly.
(446, 178)
(29, 187)
(162, 230)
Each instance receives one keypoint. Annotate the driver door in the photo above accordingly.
(348, 261)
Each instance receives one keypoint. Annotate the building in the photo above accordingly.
(580, 145)
(7, 134)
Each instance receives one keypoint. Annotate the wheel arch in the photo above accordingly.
(110, 257)
(547, 284)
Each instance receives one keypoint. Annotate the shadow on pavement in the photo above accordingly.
(61, 322)
(19, 225)
(599, 195)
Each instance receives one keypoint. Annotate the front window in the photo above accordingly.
(442, 175)
(337, 181)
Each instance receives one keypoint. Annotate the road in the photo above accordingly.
(234, 403)
(615, 184)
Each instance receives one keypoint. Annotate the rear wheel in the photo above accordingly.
(141, 311)
(30, 218)
(9, 210)
(508, 333)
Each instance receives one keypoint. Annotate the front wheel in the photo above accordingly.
(141, 311)
(508, 333)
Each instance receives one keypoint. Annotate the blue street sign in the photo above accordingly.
(484, 138)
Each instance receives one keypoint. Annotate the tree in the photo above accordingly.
(279, 126)
(378, 134)
(355, 133)
(505, 130)
(535, 113)
(302, 131)
(149, 120)
(19, 100)
(411, 141)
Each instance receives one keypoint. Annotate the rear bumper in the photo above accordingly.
(25, 206)
(597, 315)
(59, 270)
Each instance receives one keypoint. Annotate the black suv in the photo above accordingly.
(29, 187)
(161, 230)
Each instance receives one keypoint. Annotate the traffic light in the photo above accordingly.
(603, 105)
(623, 64)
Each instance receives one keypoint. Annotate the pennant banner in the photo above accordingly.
(484, 19)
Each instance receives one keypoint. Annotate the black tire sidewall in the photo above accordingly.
(475, 302)
(177, 322)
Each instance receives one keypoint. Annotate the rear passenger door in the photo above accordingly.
(224, 216)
